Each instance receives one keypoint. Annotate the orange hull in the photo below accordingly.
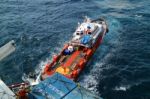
(72, 64)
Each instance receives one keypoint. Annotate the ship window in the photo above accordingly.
(77, 33)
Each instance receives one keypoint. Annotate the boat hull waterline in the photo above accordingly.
(75, 54)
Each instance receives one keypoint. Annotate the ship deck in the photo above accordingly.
(69, 61)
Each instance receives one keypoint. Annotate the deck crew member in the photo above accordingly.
(69, 50)
(22, 94)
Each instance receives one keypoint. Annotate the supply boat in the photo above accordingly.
(57, 76)
(56, 86)
(77, 52)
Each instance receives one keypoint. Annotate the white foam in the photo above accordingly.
(139, 16)
(89, 82)
(122, 88)
(37, 72)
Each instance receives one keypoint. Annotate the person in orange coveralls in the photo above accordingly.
(22, 93)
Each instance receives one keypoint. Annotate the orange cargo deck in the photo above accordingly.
(72, 58)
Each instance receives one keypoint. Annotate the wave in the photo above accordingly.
(91, 77)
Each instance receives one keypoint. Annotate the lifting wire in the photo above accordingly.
(46, 17)
(20, 23)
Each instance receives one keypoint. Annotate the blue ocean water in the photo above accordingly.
(120, 68)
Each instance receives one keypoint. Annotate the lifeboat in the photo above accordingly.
(75, 54)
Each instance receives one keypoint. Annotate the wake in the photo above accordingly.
(90, 79)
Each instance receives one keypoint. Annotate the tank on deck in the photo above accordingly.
(59, 87)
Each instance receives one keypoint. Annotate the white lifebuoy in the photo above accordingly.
(70, 48)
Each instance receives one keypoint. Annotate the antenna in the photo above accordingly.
(46, 12)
